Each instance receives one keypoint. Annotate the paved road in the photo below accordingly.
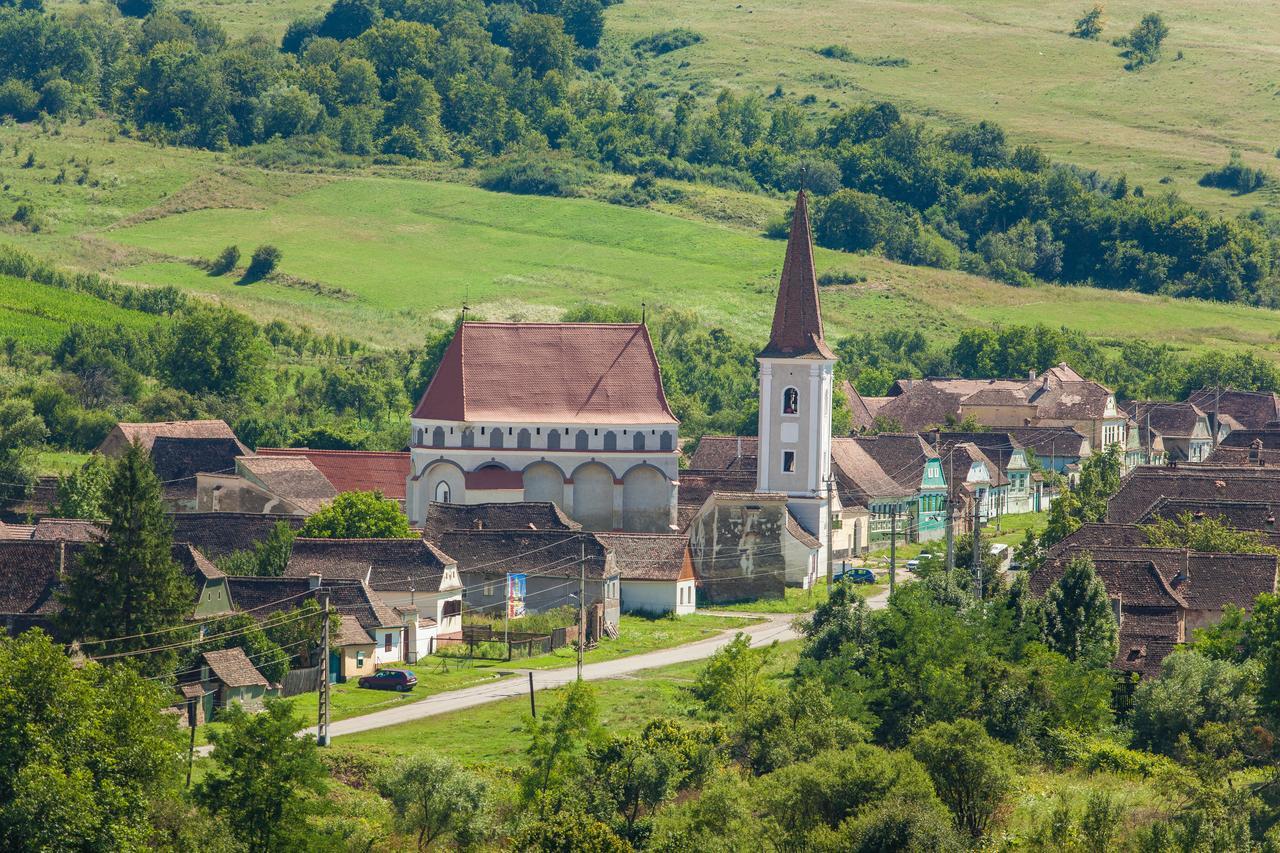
(775, 627)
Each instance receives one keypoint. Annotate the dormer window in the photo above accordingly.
(790, 402)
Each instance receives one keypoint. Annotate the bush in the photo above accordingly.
(264, 261)
(842, 53)
(1089, 26)
(666, 41)
(831, 277)
(226, 261)
(1235, 176)
(18, 99)
(535, 176)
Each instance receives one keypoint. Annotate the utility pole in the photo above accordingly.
(951, 543)
(533, 706)
(582, 603)
(322, 725)
(893, 548)
(831, 484)
(977, 545)
(191, 749)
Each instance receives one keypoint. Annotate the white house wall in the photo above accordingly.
(639, 596)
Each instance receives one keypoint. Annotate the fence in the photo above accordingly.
(298, 681)
(484, 642)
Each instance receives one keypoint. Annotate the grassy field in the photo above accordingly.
(38, 315)
(383, 255)
(1010, 61)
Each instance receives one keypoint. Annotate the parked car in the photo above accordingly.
(390, 679)
(913, 564)
(857, 575)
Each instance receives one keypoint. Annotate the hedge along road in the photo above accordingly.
(775, 627)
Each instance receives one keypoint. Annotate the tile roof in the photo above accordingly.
(603, 373)
(29, 574)
(1146, 484)
(39, 502)
(1049, 440)
(797, 314)
(1253, 409)
(217, 534)
(1244, 438)
(554, 553)
(648, 556)
(293, 478)
(1147, 637)
(352, 599)
(146, 433)
(383, 563)
(1242, 515)
(1241, 456)
(924, 404)
(528, 515)
(351, 634)
(860, 480)
(901, 455)
(959, 457)
(1091, 536)
(234, 669)
(697, 486)
(65, 529)
(195, 564)
(1130, 573)
(355, 470)
(177, 460)
(726, 453)
(1177, 420)
(798, 532)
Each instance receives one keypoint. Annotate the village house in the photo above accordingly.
(736, 542)
(1268, 438)
(571, 413)
(227, 677)
(354, 470)
(411, 575)
(1025, 491)
(281, 485)
(656, 571)
(525, 515)
(549, 565)
(909, 461)
(145, 434)
(1182, 429)
(1227, 407)
(217, 534)
(1143, 487)
(1058, 449)
(178, 462)
(860, 481)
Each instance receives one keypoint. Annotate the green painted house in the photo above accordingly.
(893, 474)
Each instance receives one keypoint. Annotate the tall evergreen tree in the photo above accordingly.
(1078, 621)
(127, 583)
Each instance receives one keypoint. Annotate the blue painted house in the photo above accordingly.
(895, 472)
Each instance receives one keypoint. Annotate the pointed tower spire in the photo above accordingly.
(797, 318)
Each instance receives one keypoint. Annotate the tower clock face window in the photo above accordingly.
(788, 461)
(790, 402)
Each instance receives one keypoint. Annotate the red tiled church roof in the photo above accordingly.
(548, 373)
(797, 317)
(355, 470)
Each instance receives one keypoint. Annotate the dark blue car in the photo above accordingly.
(857, 575)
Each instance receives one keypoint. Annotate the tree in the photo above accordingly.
(21, 432)
(261, 774)
(214, 351)
(1090, 24)
(1210, 535)
(539, 43)
(127, 584)
(1099, 480)
(347, 19)
(557, 744)
(85, 752)
(1078, 620)
(1191, 693)
(226, 261)
(434, 799)
(569, 831)
(970, 771)
(268, 557)
(83, 492)
(584, 20)
(358, 515)
(266, 257)
(242, 630)
(1144, 41)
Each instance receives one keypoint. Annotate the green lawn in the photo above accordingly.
(38, 315)
(795, 600)
(494, 733)
(440, 674)
(56, 462)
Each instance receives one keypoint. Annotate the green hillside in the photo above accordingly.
(1010, 61)
(38, 315)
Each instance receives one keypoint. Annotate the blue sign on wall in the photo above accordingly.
(515, 595)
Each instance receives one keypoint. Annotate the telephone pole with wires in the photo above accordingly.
(322, 724)
(831, 485)
(893, 549)
(977, 546)
(582, 603)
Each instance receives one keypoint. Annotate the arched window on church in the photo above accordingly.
(495, 439)
(442, 492)
(580, 440)
(637, 441)
(437, 437)
(468, 437)
(790, 402)
(665, 442)
(610, 440)
(524, 439)
(553, 439)
(419, 439)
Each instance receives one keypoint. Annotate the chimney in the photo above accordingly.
(313, 580)
(1255, 452)
(1031, 374)
(739, 447)
(477, 524)
(1117, 610)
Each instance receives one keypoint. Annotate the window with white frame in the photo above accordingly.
(790, 401)
(788, 461)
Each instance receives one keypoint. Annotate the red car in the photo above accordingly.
(390, 679)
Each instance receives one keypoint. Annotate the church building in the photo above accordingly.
(572, 413)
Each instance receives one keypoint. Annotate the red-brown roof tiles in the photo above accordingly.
(355, 470)
(548, 373)
(797, 316)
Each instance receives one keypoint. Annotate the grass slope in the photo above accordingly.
(39, 315)
(392, 252)
(1010, 61)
